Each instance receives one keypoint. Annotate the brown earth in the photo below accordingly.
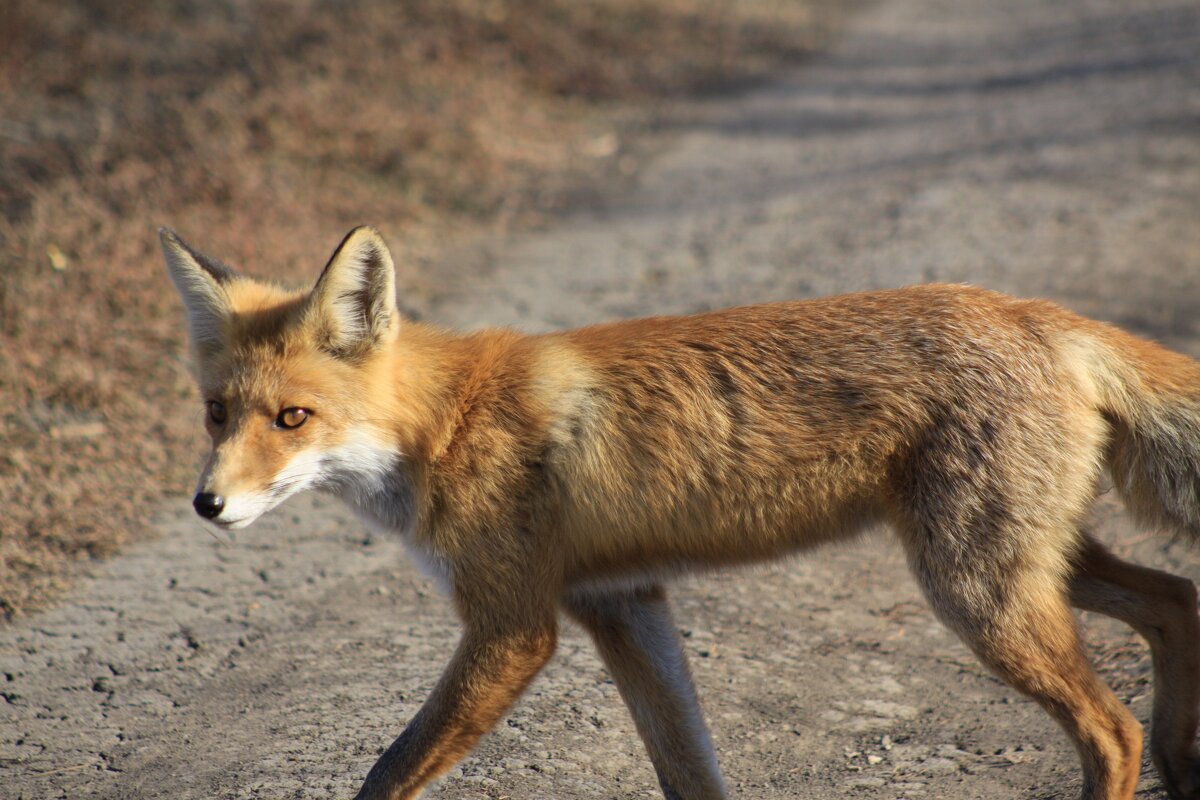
(1040, 148)
(267, 129)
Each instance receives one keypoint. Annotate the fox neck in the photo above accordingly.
(422, 389)
(421, 385)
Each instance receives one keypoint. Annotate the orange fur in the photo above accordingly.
(577, 470)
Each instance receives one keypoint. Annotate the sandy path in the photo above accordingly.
(1049, 149)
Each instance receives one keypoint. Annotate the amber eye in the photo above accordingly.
(291, 418)
(216, 412)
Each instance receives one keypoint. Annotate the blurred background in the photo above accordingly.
(262, 131)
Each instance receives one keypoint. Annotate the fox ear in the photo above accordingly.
(354, 302)
(201, 281)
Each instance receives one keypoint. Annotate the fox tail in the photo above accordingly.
(1151, 399)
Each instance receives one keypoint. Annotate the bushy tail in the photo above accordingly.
(1151, 396)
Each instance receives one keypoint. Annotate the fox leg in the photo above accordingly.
(638, 641)
(1013, 613)
(1162, 608)
(487, 673)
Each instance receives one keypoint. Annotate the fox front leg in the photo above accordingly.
(640, 645)
(488, 672)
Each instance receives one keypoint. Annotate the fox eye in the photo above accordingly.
(216, 412)
(291, 418)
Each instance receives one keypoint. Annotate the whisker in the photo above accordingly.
(213, 534)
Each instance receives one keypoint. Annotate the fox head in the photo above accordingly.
(293, 382)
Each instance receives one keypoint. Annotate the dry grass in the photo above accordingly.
(265, 130)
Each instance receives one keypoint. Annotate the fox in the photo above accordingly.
(575, 473)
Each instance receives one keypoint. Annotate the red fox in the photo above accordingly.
(578, 471)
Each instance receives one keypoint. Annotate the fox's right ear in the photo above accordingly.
(201, 282)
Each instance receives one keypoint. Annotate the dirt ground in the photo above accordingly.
(1042, 149)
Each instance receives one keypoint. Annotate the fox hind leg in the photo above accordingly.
(1162, 608)
(638, 641)
(1014, 614)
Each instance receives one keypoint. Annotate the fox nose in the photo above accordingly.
(208, 505)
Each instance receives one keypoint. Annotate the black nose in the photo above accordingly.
(208, 505)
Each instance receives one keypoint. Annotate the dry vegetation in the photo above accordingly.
(264, 130)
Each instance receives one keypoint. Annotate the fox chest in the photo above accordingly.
(389, 507)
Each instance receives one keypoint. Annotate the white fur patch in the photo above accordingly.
(242, 509)
(370, 477)
(302, 472)
(367, 474)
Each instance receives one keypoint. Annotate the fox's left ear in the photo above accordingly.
(354, 301)
(201, 281)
